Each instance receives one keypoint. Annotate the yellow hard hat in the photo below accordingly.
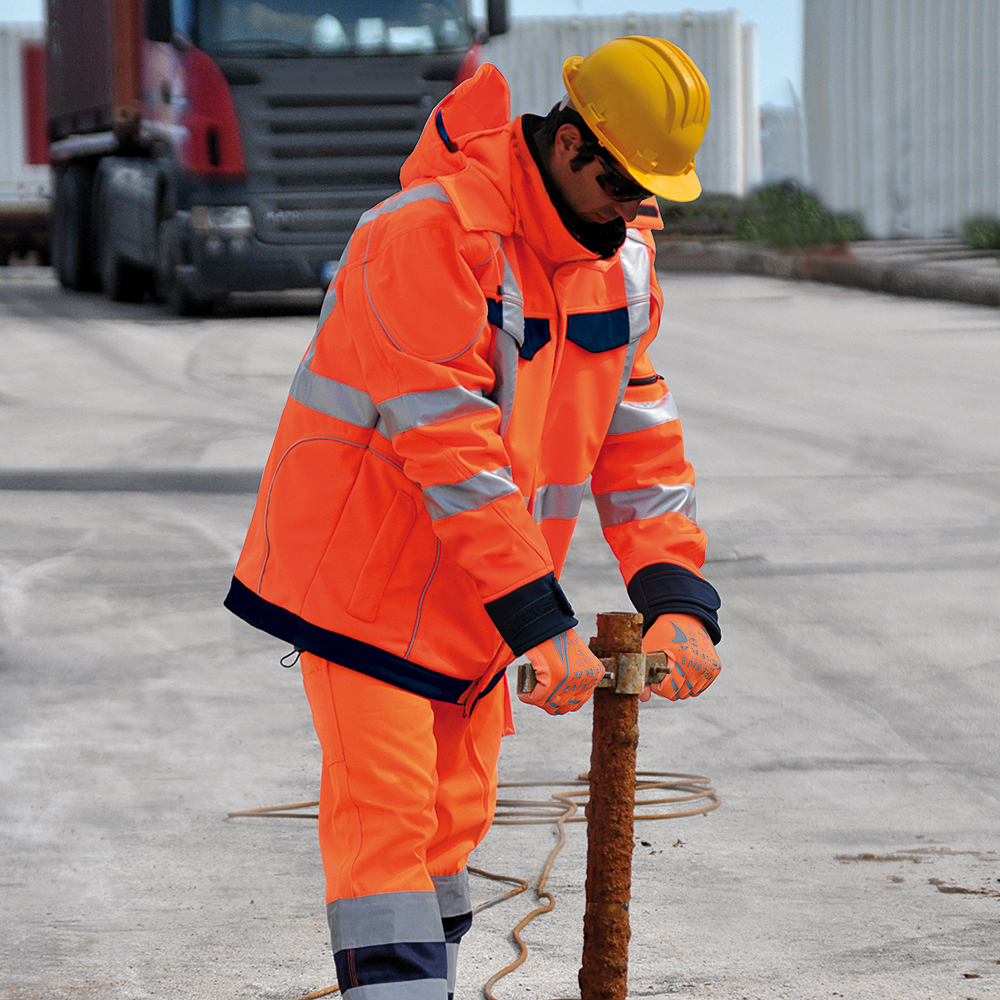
(648, 103)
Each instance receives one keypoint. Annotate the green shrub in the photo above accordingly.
(981, 232)
(787, 216)
(710, 216)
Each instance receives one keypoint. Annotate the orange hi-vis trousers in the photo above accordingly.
(408, 790)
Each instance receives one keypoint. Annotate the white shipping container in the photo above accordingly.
(531, 55)
(902, 108)
(21, 182)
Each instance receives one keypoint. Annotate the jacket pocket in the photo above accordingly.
(382, 558)
(597, 332)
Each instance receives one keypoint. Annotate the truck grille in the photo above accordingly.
(324, 139)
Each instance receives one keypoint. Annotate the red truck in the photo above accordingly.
(201, 147)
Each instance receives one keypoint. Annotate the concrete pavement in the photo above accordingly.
(850, 485)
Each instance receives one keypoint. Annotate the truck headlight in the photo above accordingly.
(222, 220)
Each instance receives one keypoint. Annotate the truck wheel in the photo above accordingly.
(169, 289)
(122, 280)
(71, 229)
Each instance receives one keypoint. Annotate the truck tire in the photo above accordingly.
(169, 289)
(71, 239)
(121, 280)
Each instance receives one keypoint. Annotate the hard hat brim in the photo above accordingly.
(673, 187)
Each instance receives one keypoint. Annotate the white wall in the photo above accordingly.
(783, 151)
(902, 105)
(19, 182)
(531, 55)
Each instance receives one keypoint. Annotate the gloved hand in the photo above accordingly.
(566, 673)
(692, 657)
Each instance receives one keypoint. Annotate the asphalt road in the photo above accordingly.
(848, 453)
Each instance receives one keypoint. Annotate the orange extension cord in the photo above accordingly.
(560, 808)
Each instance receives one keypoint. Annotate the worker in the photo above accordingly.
(481, 357)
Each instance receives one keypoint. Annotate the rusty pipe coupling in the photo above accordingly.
(627, 673)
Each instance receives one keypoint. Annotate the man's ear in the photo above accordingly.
(567, 143)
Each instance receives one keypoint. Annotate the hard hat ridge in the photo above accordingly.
(687, 89)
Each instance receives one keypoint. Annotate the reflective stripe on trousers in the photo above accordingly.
(401, 945)
(389, 946)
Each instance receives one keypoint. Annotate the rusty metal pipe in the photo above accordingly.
(606, 929)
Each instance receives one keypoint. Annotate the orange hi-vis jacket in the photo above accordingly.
(473, 367)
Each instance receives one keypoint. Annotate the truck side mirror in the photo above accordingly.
(496, 17)
(159, 21)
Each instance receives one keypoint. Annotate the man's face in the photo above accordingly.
(580, 186)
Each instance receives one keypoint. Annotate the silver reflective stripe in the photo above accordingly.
(635, 416)
(639, 504)
(507, 346)
(505, 355)
(513, 304)
(385, 918)
(417, 409)
(470, 494)
(558, 500)
(634, 258)
(452, 952)
(412, 989)
(453, 894)
(424, 191)
(335, 399)
(330, 299)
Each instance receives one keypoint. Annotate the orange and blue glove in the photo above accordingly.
(566, 673)
(691, 657)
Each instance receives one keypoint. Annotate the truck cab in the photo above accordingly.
(254, 136)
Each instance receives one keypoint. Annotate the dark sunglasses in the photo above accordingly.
(617, 186)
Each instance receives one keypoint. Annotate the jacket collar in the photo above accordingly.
(480, 157)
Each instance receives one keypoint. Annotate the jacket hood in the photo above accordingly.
(477, 108)
(479, 156)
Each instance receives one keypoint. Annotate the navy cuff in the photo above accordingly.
(531, 614)
(664, 587)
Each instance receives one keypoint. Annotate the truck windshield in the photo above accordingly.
(332, 27)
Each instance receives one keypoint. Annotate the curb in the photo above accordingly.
(851, 266)
(235, 481)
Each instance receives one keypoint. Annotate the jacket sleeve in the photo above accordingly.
(419, 308)
(645, 493)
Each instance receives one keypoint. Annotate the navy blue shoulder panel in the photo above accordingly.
(600, 331)
(342, 649)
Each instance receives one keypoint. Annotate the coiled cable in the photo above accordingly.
(690, 790)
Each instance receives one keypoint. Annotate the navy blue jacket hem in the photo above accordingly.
(348, 652)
